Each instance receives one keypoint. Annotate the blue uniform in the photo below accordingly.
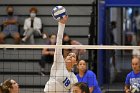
(133, 79)
(90, 78)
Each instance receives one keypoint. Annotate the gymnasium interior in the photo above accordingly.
(89, 23)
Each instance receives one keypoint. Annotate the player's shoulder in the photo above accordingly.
(77, 75)
(89, 72)
(130, 74)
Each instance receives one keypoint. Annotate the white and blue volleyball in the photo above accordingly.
(58, 12)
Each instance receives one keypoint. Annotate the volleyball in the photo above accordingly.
(58, 12)
(135, 88)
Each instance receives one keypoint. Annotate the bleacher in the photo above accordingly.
(22, 64)
(78, 11)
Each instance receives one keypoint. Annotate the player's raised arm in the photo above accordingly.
(61, 27)
(59, 62)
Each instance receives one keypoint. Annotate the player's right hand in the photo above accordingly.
(63, 20)
(127, 91)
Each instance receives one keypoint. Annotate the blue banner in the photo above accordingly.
(123, 3)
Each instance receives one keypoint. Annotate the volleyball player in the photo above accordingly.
(80, 87)
(133, 78)
(10, 86)
(61, 77)
(87, 76)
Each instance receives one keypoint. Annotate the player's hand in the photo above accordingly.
(63, 20)
(127, 91)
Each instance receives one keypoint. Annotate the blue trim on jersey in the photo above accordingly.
(57, 7)
(90, 78)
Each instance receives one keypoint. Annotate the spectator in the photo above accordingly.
(113, 41)
(80, 87)
(88, 77)
(68, 41)
(137, 25)
(114, 32)
(134, 28)
(133, 78)
(32, 25)
(112, 53)
(47, 54)
(136, 52)
(10, 86)
(10, 26)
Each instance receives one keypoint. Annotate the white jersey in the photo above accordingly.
(60, 80)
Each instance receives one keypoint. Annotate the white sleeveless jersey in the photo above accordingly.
(60, 80)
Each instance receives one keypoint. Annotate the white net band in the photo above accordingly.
(72, 47)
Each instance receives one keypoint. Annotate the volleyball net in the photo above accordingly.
(21, 63)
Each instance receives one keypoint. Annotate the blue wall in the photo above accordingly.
(122, 3)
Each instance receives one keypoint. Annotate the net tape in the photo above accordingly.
(72, 47)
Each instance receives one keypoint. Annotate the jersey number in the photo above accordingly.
(66, 82)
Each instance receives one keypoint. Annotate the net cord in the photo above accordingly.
(70, 47)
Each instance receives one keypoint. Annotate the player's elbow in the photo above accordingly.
(45, 91)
